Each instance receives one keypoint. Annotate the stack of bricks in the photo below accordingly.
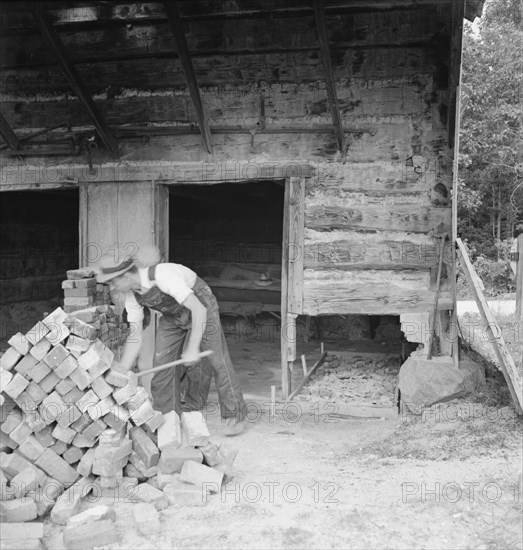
(82, 291)
(68, 422)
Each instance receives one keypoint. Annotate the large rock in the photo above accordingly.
(423, 382)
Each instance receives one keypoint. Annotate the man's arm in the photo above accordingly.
(132, 347)
(198, 322)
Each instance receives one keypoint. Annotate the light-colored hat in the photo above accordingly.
(110, 268)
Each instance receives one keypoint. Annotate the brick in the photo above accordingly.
(52, 407)
(79, 292)
(94, 429)
(73, 455)
(57, 354)
(39, 371)
(227, 454)
(59, 447)
(5, 379)
(144, 413)
(89, 535)
(111, 437)
(147, 493)
(21, 544)
(35, 392)
(44, 437)
(86, 283)
(56, 467)
(139, 397)
(101, 387)
(57, 334)
(211, 454)
(170, 433)
(146, 518)
(65, 386)
(81, 378)
(43, 504)
(68, 504)
(80, 273)
(40, 349)
(201, 475)
(17, 385)
(185, 494)
(18, 510)
(108, 461)
(79, 301)
(27, 480)
(14, 531)
(57, 317)
(68, 284)
(6, 443)
(97, 513)
(91, 357)
(64, 434)
(21, 432)
(172, 460)
(145, 472)
(144, 447)
(84, 330)
(82, 423)
(71, 415)
(49, 382)
(26, 365)
(116, 378)
(13, 464)
(126, 393)
(83, 442)
(100, 409)
(118, 416)
(164, 479)
(10, 358)
(73, 396)
(194, 429)
(77, 343)
(66, 367)
(31, 448)
(34, 419)
(85, 466)
(37, 333)
(90, 398)
(20, 343)
(155, 422)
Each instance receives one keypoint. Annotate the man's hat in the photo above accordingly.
(110, 268)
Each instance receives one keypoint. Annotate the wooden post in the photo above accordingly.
(519, 280)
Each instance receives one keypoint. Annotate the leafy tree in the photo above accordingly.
(491, 138)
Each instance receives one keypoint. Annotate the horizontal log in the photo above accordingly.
(146, 39)
(346, 250)
(369, 292)
(108, 77)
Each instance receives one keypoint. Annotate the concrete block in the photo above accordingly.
(144, 447)
(40, 349)
(57, 355)
(27, 480)
(81, 378)
(39, 371)
(49, 382)
(37, 333)
(52, 407)
(68, 504)
(17, 385)
(66, 367)
(170, 433)
(63, 433)
(10, 358)
(64, 386)
(172, 460)
(101, 387)
(26, 365)
(20, 343)
(195, 429)
(18, 510)
(201, 475)
(31, 448)
(90, 535)
(146, 518)
(147, 493)
(56, 467)
(185, 494)
(35, 392)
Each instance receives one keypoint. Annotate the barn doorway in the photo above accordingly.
(231, 235)
(39, 243)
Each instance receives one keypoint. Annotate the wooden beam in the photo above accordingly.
(176, 24)
(321, 26)
(505, 360)
(52, 39)
(306, 378)
(8, 134)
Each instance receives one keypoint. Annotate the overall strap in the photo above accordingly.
(151, 273)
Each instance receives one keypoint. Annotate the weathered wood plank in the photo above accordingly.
(293, 252)
(360, 250)
(419, 219)
(506, 362)
(7, 133)
(369, 292)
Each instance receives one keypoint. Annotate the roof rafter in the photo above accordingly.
(176, 24)
(321, 26)
(7, 133)
(52, 39)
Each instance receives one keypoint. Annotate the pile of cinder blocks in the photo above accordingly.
(70, 426)
(82, 291)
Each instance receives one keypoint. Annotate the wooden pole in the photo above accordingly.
(304, 365)
(519, 280)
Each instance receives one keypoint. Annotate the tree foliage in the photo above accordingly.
(491, 139)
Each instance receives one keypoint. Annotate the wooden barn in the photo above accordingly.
(310, 143)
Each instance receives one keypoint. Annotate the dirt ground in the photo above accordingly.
(311, 478)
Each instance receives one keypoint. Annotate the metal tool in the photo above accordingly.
(201, 355)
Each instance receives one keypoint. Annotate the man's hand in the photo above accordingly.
(120, 367)
(190, 357)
